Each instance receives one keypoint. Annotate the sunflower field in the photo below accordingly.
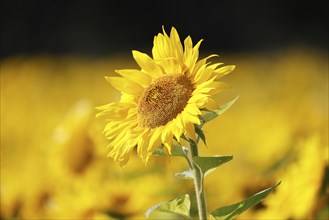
(53, 152)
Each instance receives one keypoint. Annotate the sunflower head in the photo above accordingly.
(161, 101)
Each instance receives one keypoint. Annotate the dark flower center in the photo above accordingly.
(163, 100)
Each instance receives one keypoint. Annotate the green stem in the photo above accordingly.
(198, 182)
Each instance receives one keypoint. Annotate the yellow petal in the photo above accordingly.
(214, 66)
(211, 104)
(203, 85)
(114, 115)
(147, 64)
(115, 109)
(135, 136)
(206, 90)
(160, 47)
(136, 76)
(143, 144)
(199, 74)
(177, 132)
(198, 97)
(192, 109)
(188, 52)
(224, 70)
(128, 98)
(176, 45)
(194, 55)
(113, 130)
(167, 138)
(114, 105)
(189, 130)
(125, 85)
(168, 146)
(155, 139)
(164, 32)
(219, 87)
(203, 62)
(154, 143)
(191, 118)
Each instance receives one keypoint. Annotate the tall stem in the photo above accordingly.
(198, 182)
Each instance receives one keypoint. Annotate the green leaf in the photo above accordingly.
(177, 150)
(208, 164)
(179, 206)
(187, 174)
(200, 133)
(231, 211)
(213, 114)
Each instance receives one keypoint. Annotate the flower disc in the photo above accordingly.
(163, 100)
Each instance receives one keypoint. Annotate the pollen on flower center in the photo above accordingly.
(163, 100)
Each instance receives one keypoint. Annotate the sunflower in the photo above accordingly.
(161, 102)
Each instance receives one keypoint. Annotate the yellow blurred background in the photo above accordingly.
(53, 152)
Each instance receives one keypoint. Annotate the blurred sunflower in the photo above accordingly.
(163, 99)
(302, 179)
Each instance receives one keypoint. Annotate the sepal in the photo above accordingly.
(178, 207)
